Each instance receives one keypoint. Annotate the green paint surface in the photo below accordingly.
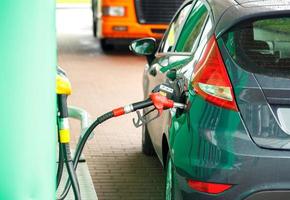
(27, 103)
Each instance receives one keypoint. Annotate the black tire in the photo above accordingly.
(94, 19)
(147, 147)
(95, 28)
(105, 46)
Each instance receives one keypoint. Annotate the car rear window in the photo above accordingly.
(261, 46)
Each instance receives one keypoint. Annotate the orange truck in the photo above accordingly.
(117, 22)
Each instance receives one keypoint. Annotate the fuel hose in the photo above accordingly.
(80, 147)
(81, 144)
(59, 166)
(159, 101)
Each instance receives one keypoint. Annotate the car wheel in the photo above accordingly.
(105, 46)
(169, 195)
(147, 147)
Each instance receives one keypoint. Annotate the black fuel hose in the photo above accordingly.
(98, 121)
(59, 166)
(142, 104)
(64, 150)
(70, 169)
(157, 99)
(63, 113)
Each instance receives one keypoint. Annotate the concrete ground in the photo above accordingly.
(85, 182)
(102, 82)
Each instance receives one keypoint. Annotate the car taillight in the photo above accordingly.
(211, 80)
(210, 188)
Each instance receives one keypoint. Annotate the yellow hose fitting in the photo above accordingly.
(64, 136)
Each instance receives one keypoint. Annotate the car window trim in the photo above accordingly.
(207, 3)
(209, 17)
(172, 54)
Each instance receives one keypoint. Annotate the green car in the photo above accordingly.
(229, 62)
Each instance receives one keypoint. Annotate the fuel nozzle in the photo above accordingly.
(162, 99)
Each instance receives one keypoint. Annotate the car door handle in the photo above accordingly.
(153, 71)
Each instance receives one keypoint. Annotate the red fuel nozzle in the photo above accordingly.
(159, 98)
(161, 102)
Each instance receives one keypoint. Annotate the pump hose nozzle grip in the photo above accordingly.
(161, 102)
(156, 99)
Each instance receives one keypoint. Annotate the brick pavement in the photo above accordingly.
(100, 83)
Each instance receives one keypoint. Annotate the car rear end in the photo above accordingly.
(131, 19)
(239, 116)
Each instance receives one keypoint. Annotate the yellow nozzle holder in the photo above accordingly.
(63, 85)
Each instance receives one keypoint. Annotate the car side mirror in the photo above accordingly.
(144, 47)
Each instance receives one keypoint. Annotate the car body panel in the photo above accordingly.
(212, 144)
(153, 76)
(260, 99)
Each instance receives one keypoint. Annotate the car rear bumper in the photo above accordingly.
(257, 177)
(270, 195)
(264, 195)
(238, 192)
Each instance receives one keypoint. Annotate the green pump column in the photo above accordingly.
(27, 100)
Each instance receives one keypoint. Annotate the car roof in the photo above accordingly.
(218, 7)
(244, 1)
(227, 13)
(247, 1)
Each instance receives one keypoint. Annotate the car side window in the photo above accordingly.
(188, 70)
(192, 29)
(172, 33)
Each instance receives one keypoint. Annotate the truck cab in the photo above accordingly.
(117, 22)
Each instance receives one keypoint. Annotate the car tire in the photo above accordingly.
(105, 46)
(169, 194)
(147, 147)
(95, 28)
